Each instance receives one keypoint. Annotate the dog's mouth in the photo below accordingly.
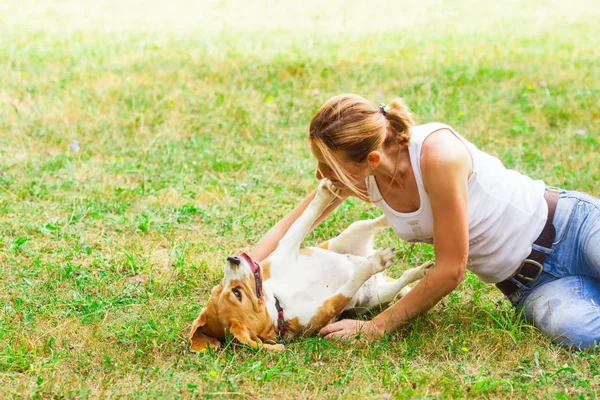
(256, 271)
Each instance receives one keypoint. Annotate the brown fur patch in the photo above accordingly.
(266, 269)
(253, 339)
(294, 327)
(331, 308)
(324, 245)
(306, 251)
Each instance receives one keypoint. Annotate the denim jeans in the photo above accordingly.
(564, 302)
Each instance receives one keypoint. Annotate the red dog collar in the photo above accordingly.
(282, 327)
(256, 271)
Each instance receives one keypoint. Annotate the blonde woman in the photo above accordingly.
(541, 247)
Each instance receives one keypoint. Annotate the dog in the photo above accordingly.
(297, 291)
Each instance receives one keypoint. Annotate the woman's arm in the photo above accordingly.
(446, 166)
(269, 241)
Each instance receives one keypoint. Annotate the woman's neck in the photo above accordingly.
(394, 167)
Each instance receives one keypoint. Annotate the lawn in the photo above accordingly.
(141, 143)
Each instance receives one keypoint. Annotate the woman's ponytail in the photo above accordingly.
(400, 120)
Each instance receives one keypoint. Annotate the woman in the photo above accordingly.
(541, 247)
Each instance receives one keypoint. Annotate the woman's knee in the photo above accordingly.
(579, 339)
(568, 311)
(577, 327)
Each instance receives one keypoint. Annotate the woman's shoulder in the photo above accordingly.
(419, 133)
(442, 148)
(431, 127)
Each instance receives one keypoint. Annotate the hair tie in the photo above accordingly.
(384, 109)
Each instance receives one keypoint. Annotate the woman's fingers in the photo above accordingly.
(340, 334)
(337, 335)
(349, 328)
(336, 326)
(341, 329)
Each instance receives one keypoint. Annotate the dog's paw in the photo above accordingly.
(427, 266)
(414, 274)
(274, 347)
(381, 260)
(326, 192)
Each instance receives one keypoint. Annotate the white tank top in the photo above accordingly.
(507, 210)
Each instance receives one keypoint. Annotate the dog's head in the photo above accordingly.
(236, 306)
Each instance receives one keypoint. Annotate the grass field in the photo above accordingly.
(141, 143)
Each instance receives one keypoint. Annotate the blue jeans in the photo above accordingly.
(564, 302)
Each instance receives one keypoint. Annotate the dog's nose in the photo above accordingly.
(234, 260)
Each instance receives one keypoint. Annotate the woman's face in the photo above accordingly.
(355, 173)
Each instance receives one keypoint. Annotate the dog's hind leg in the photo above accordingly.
(387, 291)
(357, 239)
(335, 304)
(289, 245)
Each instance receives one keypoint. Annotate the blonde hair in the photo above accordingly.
(350, 123)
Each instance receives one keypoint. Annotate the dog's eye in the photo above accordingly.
(237, 293)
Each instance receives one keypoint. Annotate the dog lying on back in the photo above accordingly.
(297, 291)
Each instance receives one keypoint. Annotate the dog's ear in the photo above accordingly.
(200, 340)
(244, 336)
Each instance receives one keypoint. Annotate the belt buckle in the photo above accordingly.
(532, 262)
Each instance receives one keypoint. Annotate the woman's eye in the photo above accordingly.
(237, 293)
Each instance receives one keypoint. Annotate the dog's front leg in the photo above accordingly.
(357, 238)
(388, 291)
(289, 245)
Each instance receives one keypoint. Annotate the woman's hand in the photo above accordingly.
(350, 329)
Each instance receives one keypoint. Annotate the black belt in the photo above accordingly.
(532, 266)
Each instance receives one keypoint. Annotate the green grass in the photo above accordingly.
(191, 121)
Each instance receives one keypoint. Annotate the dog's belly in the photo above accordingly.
(302, 285)
(312, 276)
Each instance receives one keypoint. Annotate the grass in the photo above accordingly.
(191, 120)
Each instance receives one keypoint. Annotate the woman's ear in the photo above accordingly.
(373, 159)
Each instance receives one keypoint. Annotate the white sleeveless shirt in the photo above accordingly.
(506, 210)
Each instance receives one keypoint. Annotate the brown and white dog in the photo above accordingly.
(297, 291)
